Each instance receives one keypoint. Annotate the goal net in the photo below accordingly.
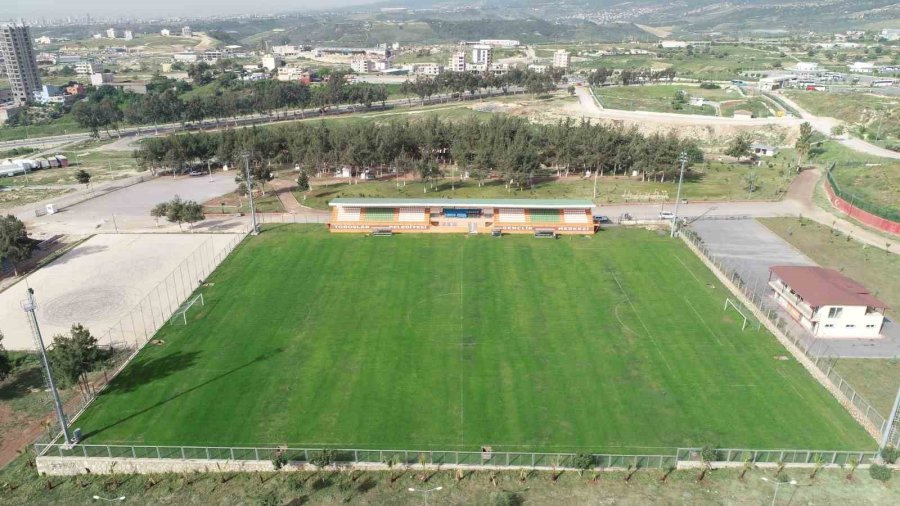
(742, 311)
(180, 314)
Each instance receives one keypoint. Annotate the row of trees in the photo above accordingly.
(106, 108)
(601, 75)
(506, 146)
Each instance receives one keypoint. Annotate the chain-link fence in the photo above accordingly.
(270, 218)
(816, 350)
(453, 458)
(100, 190)
(860, 202)
(126, 337)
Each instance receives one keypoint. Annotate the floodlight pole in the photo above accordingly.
(892, 422)
(249, 182)
(29, 305)
(683, 159)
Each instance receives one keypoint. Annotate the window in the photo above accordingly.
(829, 325)
(870, 326)
(849, 326)
(835, 312)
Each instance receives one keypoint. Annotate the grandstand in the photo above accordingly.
(461, 215)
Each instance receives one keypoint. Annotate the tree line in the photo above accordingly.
(508, 147)
(167, 100)
(601, 75)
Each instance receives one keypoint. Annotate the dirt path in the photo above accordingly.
(288, 200)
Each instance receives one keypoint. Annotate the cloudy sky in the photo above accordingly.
(14, 9)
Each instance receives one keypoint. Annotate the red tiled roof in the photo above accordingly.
(825, 287)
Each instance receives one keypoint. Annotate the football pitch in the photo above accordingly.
(614, 343)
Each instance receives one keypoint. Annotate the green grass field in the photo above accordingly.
(616, 342)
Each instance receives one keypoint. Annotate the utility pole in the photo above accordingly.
(683, 159)
(249, 183)
(29, 305)
(595, 184)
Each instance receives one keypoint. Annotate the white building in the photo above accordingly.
(101, 78)
(271, 62)
(128, 35)
(774, 82)
(165, 33)
(426, 69)
(862, 67)
(43, 40)
(457, 62)
(825, 302)
(562, 59)
(84, 68)
(761, 149)
(806, 66)
(186, 57)
(672, 44)
(362, 66)
(891, 34)
(539, 69)
(285, 50)
(292, 74)
(499, 42)
(186, 31)
(482, 53)
(110, 33)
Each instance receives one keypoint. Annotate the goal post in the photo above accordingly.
(728, 302)
(181, 312)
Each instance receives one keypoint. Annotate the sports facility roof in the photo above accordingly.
(819, 286)
(438, 202)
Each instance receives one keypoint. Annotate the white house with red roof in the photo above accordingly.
(826, 302)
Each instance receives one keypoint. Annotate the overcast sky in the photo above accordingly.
(29, 9)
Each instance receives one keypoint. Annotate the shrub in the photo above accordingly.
(708, 454)
(880, 473)
(890, 454)
(584, 461)
(321, 458)
(279, 461)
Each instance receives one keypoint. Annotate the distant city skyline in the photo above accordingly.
(37, 9)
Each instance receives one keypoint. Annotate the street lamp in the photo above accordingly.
(249, 183)
(426, 492)
(117, 499)
(683, 159)
(778, 484)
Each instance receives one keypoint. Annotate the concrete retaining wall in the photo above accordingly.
(891, 227)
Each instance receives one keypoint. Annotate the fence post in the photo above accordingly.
(158, 455)
(207, 452)
(182, 453)
(256, 453)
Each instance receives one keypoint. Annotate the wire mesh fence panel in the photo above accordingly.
(146, 452)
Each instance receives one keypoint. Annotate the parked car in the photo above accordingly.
(666, 215)
(601, 219)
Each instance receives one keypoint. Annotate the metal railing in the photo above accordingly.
(125, 338)
(859, 202)
(816, 350)
(450, 457)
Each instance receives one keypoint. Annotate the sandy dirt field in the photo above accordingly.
(98, 283)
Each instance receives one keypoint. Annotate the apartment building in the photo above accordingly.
(458, 62)
(21, 66)
(482, 53)
(562, 59)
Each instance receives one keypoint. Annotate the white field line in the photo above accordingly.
(708, 328)
(641, 321)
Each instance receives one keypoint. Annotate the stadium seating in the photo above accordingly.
(512, 215)
(381, 214)
(544, 215)
(347, 213)
(575, 216)
(412, 214)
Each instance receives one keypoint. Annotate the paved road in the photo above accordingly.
(250, 119)
(824, 124)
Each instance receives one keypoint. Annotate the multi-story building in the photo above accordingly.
(482, 53)
(186, 31)
(362, 66)
(21, 66)
(165, 33)
(271, 62)
(562, 59)
(458, 62)
(110, 33)
(128, 35)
